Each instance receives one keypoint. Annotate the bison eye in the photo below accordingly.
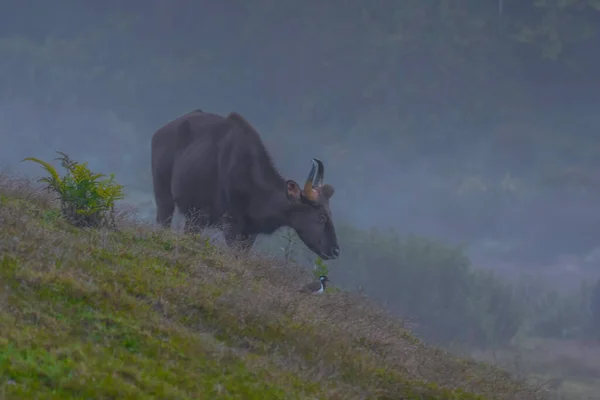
(322, 218)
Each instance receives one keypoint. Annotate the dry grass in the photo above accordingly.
(148, 314)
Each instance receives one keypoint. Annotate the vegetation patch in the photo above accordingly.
(85, 200)
(143, 313)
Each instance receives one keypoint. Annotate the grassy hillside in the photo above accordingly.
(147, 314)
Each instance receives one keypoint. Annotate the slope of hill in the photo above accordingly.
(146, 314)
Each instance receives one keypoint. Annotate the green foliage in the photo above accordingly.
(85, 199)
(433, 284)
(320, 268)
(497, 309)
(561, 315)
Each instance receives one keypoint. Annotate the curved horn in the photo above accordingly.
(320, 173)
(308, 185)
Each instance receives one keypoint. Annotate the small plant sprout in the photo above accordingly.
(288, 250)
(320, 269)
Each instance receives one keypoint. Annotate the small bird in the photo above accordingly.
(316, 287)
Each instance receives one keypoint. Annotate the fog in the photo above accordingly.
(413, 109)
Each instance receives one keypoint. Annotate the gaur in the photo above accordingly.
(216, 170)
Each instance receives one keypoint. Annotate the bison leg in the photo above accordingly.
(193, 226)
(246, 242)
(165, 207)
(241, 242)
(195, 222)
(237, 240)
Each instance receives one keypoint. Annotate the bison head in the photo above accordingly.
(310, 215)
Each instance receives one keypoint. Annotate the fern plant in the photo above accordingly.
(86, 200)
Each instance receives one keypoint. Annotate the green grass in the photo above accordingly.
(142, 313)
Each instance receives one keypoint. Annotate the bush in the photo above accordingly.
(434, 284)
(561, 315)
(85, 199)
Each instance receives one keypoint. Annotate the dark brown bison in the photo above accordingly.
(216, 170)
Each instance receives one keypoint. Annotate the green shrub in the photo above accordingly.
(561, 315)
(496, 309)
(320, 268)
(434, 285)
(85, 199)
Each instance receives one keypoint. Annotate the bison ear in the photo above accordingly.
(293, 190)
(327, 191)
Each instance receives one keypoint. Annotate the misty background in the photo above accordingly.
(469, 123)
